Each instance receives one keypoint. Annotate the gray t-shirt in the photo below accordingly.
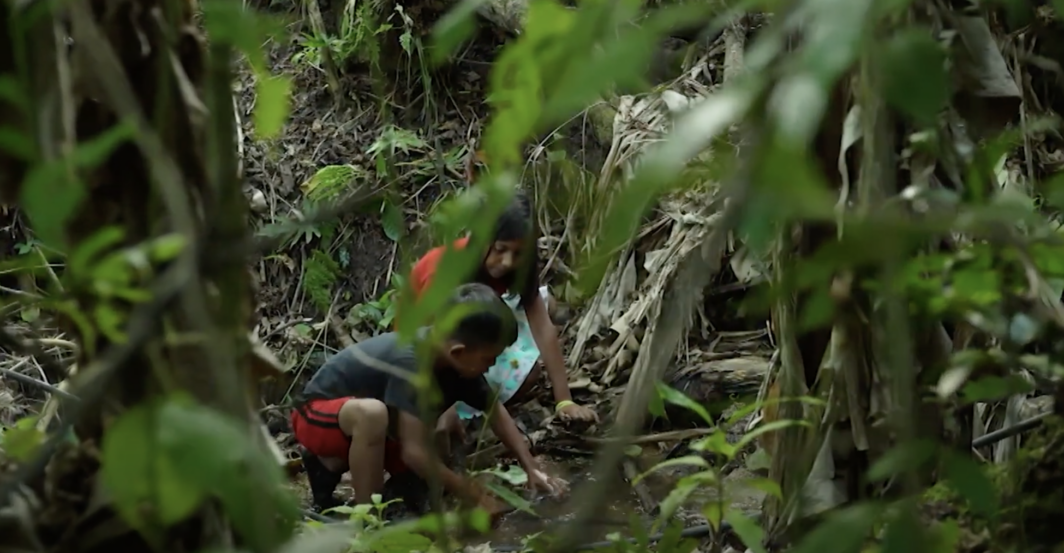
(345, 375)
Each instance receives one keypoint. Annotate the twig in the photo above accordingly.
(631, 474)
(670, 436)
(1009, 431)
(30, 381)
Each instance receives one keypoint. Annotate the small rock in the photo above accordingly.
(258, 201)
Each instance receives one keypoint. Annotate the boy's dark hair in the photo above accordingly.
(516, 222)
(485, 320)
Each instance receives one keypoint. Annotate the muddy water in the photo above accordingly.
(613, 514)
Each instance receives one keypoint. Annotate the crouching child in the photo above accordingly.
(361, 412)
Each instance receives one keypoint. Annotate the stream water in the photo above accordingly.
(613, 512)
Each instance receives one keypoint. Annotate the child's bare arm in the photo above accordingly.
(421, 460)
(503, 425)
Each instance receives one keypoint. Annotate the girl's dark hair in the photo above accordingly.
(517, 223)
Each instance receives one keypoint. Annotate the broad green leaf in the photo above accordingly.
(21, 441)
(17, 144)
(900, 458)
(914, 74)
(714, 513)
(241, 26)
(947, 535)
(137, 472)
(513, 475)
(30, 313)
(13, 93)
(454, 28)
(392, 221)
(50, 197)
(167, 247)
(512, 499)
(392, 540)
(904, 532)
(678, 398)
(969, 480)
(81, 259)
(675, 499)
(749, 532)
(271, 104)
(214, 453)
(844, 531)
(52, 191)
(716, 442)
(91, 153)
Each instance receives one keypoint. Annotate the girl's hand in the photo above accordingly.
(540, 481)
(570, 411)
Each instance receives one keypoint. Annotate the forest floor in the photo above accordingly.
(432, 147)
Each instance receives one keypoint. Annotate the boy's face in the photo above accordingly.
(471, 362)
(503, 257)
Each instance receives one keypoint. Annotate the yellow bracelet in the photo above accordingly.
(563, 404)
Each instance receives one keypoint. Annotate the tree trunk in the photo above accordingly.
(171, 186)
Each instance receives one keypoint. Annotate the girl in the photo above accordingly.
(510, 268)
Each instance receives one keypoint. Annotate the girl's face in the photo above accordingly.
(503, 257)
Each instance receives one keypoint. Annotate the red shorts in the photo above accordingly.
(316, 426)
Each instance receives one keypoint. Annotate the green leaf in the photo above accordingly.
(50, 196)
(392, 221)
(52, 191)
(844, 531)
(900, 458)
(271, 104)
(137, 472)
(454, 28)
(242, 27)
(675, 499)
(905, 533)
(914, 74)
(513, 475)
(716, 443)
(21, 441)
(212, 452)
(80, 260)
(749, 532)
(512, 499)
(30, 313)
(968, 479)
(167, 247)
(17, 144)
(676, 397)
(12, 92)
(91, 153)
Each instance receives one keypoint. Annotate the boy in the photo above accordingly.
(361, 411)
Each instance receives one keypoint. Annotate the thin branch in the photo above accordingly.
(30, 381)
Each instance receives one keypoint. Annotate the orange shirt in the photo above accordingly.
(425, 268)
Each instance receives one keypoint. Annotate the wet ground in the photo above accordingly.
(614, 513)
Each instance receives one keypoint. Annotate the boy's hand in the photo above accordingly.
(574, 412)
(540, 481)
(494, 507)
